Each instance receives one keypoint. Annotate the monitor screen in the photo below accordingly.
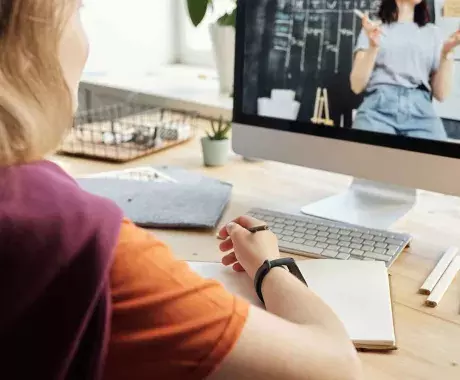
(317, 67)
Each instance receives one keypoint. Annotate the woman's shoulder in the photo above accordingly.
(41, 196)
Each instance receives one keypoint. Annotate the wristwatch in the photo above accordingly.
(288, 262)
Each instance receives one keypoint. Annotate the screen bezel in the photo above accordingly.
(433, 147)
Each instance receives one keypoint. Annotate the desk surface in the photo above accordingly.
(428, 339)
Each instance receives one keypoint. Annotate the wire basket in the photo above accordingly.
(124, 132)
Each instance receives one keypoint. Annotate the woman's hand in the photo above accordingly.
(250, 249)
(373, 31)
(451, 43)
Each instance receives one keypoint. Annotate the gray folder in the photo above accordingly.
(195, 201)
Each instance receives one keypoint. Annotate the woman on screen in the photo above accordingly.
(400, 63)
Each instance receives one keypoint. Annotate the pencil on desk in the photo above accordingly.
(443, 283)
(438, 270)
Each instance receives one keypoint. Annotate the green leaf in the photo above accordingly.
(197, 10)
(228, 19)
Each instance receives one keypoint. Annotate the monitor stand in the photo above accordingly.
(366, 203)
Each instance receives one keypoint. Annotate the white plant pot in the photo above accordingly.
(215, 152)
(223, 42)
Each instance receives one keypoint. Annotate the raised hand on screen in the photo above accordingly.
(373, 31)
(452, 42)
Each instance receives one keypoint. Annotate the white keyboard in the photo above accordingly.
(323, 238)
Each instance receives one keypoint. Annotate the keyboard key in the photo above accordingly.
(298, 234)
(333, 230)
(313, 226)
(331, 254)
(345, 250)
(357, 252)
(302, 248)
(323, 234)
(393, 241)
(333, 248)
(368, 259)
(367, 248)
(342, 256)
(268, 218)
(356, 234)
(377, 256)
(300, 224)
(321, 239)
(311, 243)
(299, 229)
(299, 240)
(279, 225)
(289, 222)
(355, 257)
(367, 237)
(344, 232)
(279, 220)
(357, 240)
(369, 242)
(322, 228)
(334, 236)
(393, 247)
(287, 238)
(276, 230)
(309, 237)
(355, 246)
(288, 233)
(332, 241)
(343, 244)
(380, 250)
(379, 239)
(381, 245)
(322, 245)
(289, 228)
(345, 238)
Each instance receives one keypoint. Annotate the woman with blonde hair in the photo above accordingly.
(84, 293)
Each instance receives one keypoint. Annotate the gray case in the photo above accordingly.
(195, 201)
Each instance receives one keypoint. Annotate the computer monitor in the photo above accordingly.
(297, 100)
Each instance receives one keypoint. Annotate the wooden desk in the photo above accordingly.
(428, 339)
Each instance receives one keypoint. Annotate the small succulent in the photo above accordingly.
(219, 129)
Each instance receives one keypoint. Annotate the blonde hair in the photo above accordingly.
(35, 101)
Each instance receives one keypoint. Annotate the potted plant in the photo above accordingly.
(216, 143)
(222, 33)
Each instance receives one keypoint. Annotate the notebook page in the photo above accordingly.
(357, 291)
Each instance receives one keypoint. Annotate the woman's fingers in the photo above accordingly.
(244, 221)
(229, 259)
(226, 245)
(238, 268)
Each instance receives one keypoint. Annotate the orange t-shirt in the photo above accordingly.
(167, 321)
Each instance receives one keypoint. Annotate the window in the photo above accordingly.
(195, 47)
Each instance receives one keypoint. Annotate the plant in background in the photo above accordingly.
(197, 10)
(220, 130)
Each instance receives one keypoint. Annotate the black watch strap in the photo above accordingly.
(289, 262)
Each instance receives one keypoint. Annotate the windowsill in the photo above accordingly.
(174, 86)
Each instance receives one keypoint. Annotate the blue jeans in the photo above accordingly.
(399, 111)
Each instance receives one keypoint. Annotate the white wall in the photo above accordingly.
(129, 36)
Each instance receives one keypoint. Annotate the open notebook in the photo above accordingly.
(358, 292)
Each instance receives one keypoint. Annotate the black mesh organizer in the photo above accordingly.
(124, 132)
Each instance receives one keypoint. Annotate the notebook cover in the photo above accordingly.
(194, 201)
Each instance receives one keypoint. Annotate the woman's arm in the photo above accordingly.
(441, 81)
(168, 322)
(363, 66)
(366, 55)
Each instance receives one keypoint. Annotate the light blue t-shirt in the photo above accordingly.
(408, 54)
